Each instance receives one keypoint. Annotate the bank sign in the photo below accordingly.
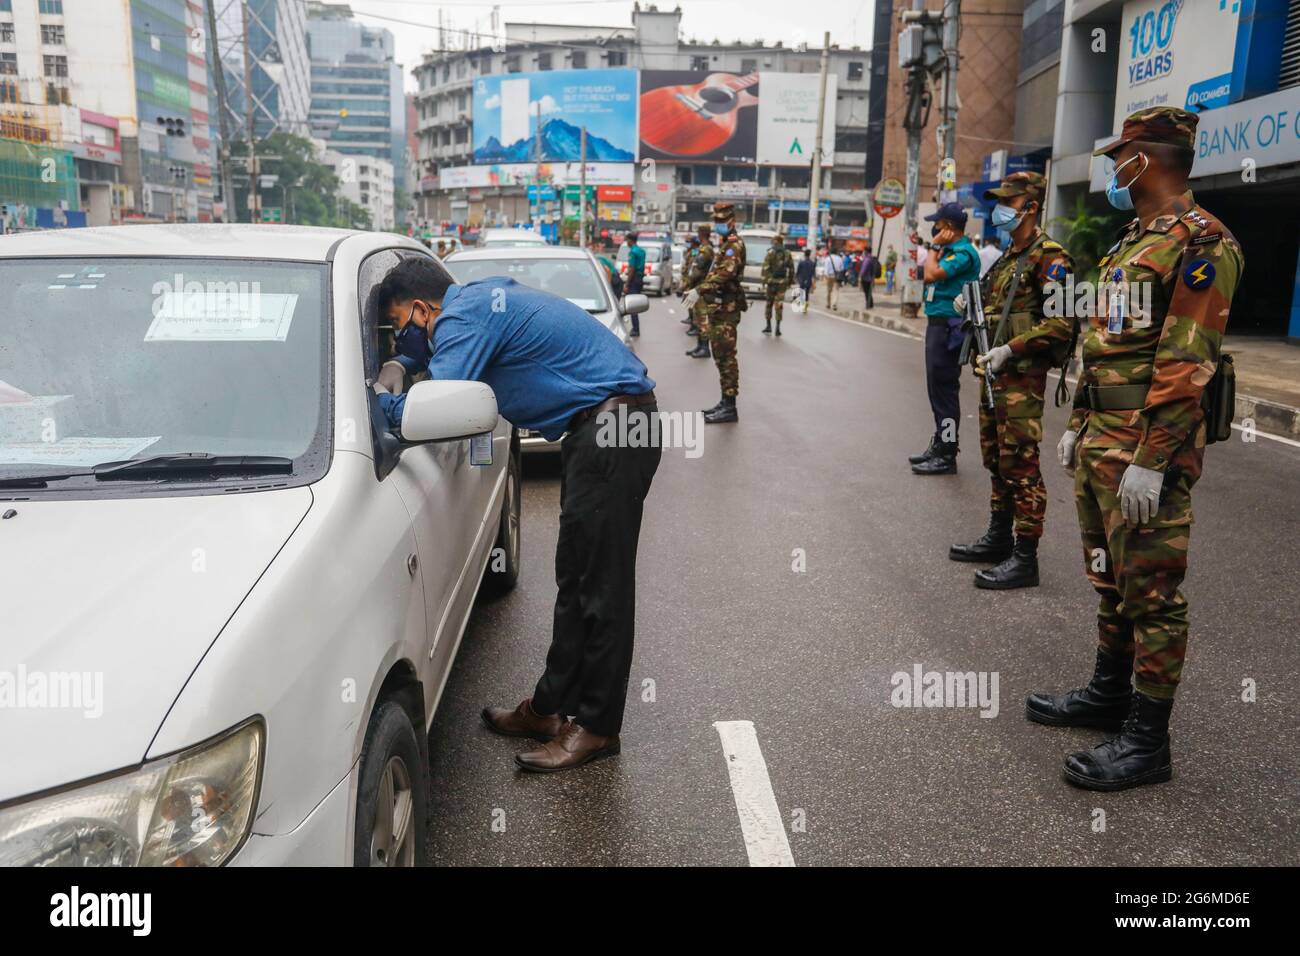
(1175, 53)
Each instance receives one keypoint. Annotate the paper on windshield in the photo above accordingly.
(10, 393)
(222, 315)
(77, 452)
(33, 420)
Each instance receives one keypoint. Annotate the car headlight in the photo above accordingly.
(193, 808)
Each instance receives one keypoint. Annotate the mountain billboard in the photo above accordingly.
(507, 110)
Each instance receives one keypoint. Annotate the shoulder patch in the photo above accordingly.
(1056, 271)
(1199, 274)
(1196, 219)
(731, 252)
(1207, 237)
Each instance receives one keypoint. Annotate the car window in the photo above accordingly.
(574, 279)
(113, 359)
(756, 248)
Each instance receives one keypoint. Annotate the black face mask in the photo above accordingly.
(413, 343)
(934, 231)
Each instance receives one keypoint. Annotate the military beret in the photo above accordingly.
(722, 211)
(1157, 124)
(1019, 184)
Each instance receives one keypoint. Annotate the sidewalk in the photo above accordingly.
(1268, 369)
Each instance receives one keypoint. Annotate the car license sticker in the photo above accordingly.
(80, 451)
(220, 315)
(480, 449)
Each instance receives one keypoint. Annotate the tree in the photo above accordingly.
(306, 189)
(1088, 235)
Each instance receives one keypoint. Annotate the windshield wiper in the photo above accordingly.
(195, 462)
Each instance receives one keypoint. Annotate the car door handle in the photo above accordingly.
(412, 564)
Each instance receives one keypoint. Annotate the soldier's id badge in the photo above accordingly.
(1118, 304)
(480, 449)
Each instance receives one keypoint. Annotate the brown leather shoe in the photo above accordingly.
(523, 721)
(572, 748)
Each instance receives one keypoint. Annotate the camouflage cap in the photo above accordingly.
(723, 211)
(1157, 124)
(1019, 184)
(779, 238)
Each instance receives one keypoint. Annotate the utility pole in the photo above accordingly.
(219, 77)
(582, 190)
(537, 174)
(947, 132)
(814, 188)
(254, 193)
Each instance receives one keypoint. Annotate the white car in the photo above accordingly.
(758, 242)
(566, 271)
(499, 238)
(232, 597)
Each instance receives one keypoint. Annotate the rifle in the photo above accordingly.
(977, 334)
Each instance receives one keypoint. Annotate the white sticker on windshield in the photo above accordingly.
(78, 452)
(222, 312)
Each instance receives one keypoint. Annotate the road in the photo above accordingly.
(727, 631)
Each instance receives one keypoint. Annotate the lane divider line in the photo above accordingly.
(760, 817)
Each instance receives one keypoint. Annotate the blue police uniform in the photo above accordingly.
(943, 336)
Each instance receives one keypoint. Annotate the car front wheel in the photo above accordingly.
(393, 793)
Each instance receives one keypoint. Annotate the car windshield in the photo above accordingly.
(652, 253)
(574, 279)
(518, 237)
(115, 359)
(677, 255)
(756, 248)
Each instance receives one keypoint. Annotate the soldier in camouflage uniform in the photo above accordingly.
(1135, 442)
(692, 247)
(701, 263)
(778, 273)
(1023, 348)
(722, 300)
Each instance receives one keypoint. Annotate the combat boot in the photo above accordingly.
(1103, 703)
(1139, 755)
(994, 546)
(1018, 571)
(709, 411)
(692, 329)
(726, 412)
(942, 462)
(778, 326)
(927, 454)
(767, 329)
(701, 350)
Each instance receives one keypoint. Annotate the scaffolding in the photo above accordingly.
(39, 176)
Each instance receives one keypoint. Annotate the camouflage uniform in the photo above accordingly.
(722, 301)
(1178, 273)
(701, 263)
(778, 274)
(1010, 433)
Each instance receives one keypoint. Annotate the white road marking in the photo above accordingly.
(1071, 381)
(760, 817)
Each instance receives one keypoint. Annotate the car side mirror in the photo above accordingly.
(634, 304)
(445, 411)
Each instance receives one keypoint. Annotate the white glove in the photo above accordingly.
(1139, 494)
(689, 300)
(1065, 449)
(959, 303)
(995, 358)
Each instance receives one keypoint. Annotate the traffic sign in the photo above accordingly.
(272, 214)
(889, 198)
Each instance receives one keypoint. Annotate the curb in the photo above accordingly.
(1268, 416)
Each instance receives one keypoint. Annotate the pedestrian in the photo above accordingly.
(990, 252)
(723, 300)
(950, 263)
(831, 274)
(867, 270)
(557, 370)
(891, 266)
(1024, 346)
(778, 273)
(635, 276)
(442, 249)
(1136, 440)
(806, 275)
(700, 267)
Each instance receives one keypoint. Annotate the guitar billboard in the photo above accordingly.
(507, 109)
(700, 117)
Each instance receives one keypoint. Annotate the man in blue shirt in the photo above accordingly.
(635, 276)
(951, 262)
(555, 369)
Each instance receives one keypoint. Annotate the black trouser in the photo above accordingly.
(942, 380)
(869, 291)
(635, 281)
(602, 491)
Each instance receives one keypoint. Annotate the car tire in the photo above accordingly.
(503, 561)
(392, 792)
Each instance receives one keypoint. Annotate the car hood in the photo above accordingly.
(110, 604)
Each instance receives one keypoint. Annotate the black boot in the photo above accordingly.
(726, 412)
(709, 411)
(1018, 571)
(1103, 703)
(778, 326)
(994, 546)
(942, 462)
(1139, 755)
(692, 330)
(701, 350)
(767, 329)
(930, 449)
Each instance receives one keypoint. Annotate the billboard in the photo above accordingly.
(698, 116)
(518, 174)
(701, 117)
(1175, 53)
(509, 108)
(787, 119)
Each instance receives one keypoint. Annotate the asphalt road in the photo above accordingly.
(727, 631)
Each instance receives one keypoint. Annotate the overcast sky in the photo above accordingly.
(769, 20)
